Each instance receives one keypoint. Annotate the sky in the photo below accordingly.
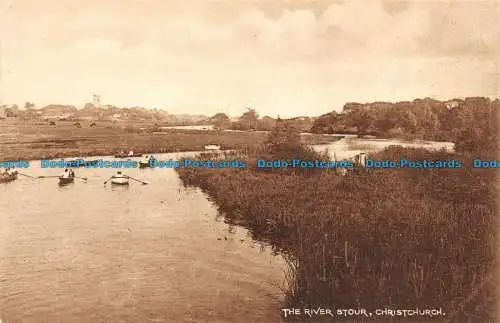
(291, 58)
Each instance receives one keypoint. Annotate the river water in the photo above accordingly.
(90, 252)
(350, 146)
(147, 253)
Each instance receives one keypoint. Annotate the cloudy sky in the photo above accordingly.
(282, 57)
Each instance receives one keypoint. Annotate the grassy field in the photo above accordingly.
(22, 140)
(391, 238)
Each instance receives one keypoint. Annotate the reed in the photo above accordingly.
(373, 239)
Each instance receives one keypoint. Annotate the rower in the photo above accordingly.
(130, 153)
(71, 173)
(65, 174)
(119, 174)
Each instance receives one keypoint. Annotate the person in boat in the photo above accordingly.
(71, 173)
(130, 153)
(10, 171)
(65, 174)
(119, 174)
(6, 171)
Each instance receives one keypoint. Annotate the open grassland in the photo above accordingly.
(22, 140)
(401, 238)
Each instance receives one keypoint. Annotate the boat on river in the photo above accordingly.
(65, 180)
(119, 180)
(145, 162)
(212, 147)
(5, 178)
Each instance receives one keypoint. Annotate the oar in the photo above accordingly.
(143, 183)
(48, 176)
(27, 175)
(84, 178)
(108, 180)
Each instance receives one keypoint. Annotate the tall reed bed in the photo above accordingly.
(375, 238)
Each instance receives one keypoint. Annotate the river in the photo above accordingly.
(90, 252)
(147, 253)
(350, 146)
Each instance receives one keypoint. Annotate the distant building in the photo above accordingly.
(96, 100)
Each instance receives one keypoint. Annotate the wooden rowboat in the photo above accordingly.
(119, 180)
(145, 163)
(212, 147)
(66, 180)
(5, 178)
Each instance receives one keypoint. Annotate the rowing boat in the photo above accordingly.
(212, 147)
(119, 180)
(5, 178)
(66, 180)
(145, 162)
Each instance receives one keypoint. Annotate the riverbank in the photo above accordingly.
(387, 238)
(32, 141)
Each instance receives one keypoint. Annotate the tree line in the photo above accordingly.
(472, 123)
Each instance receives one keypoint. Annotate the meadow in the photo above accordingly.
(29, 140)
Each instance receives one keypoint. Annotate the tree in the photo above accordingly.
(476, 127)
(221, 121)
(359, 116)
(284, 143)
(29, 105)
(12, 112)
(249, 119)
(266, 124)
(324, 123)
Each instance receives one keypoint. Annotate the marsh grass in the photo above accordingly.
(373, 239)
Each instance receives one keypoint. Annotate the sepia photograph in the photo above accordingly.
(244, 161)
